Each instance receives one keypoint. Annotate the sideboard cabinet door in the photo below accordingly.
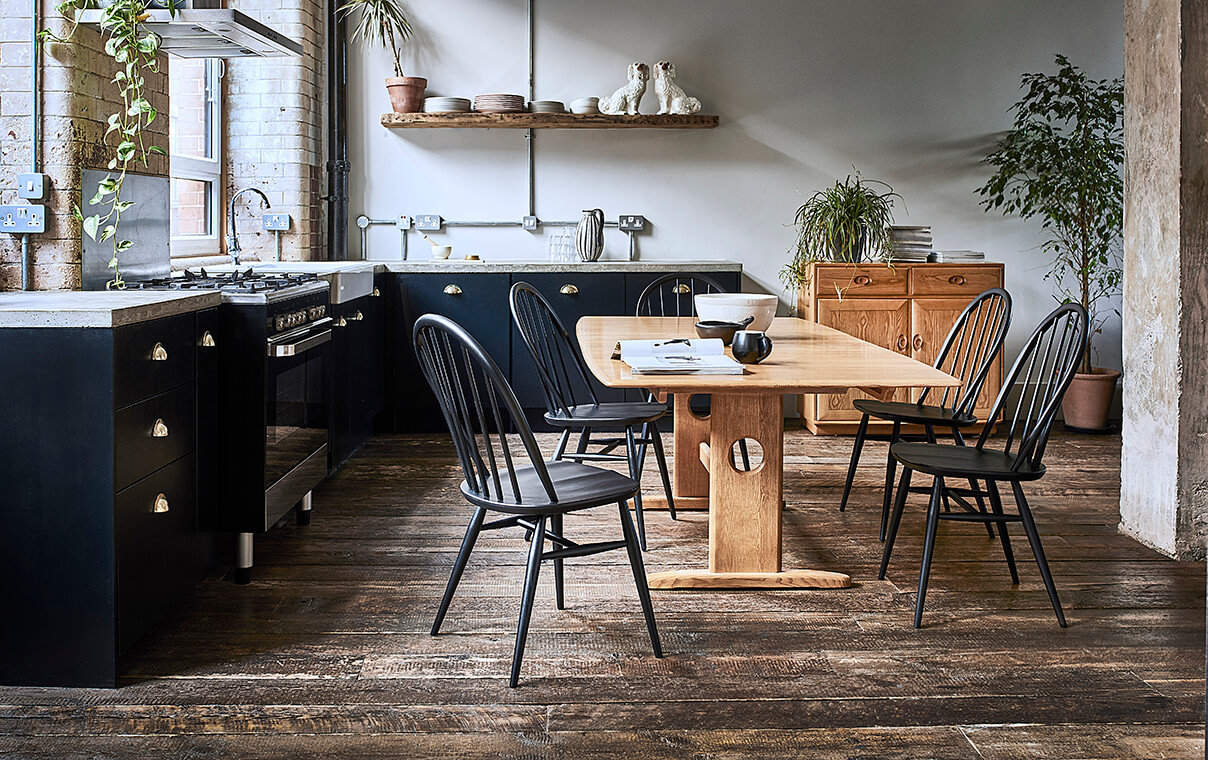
(882, 322)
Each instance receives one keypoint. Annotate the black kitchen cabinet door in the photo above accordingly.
(358, 376)
(343, 384)
(478, 301)
(573, 295)
(635, 283)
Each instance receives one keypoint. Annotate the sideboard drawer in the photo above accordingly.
(152, 433)
(153, 357)
(843, 280)
(960, 279)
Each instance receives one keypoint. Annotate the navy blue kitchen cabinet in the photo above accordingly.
(479, 302)
(358, 377)
(100, 468)
(635, 283)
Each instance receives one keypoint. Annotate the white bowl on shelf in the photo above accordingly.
(735, 307)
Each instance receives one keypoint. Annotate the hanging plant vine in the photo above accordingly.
(135, 52)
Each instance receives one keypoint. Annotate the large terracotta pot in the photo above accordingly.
(406, 93)
(1089, 399)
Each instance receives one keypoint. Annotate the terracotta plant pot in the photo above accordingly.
(406, 93)
(1089, 399)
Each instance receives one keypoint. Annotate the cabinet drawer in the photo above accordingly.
(944, 280)
(159, 553)
(153, 357)
(835, 281)
(152, 433)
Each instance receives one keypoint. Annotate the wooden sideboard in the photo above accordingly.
(908, 308)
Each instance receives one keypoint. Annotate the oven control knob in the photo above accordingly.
(279, 323)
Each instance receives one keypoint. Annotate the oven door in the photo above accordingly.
(298, 393)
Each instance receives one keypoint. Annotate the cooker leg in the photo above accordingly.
(243, 558)
(304, 510)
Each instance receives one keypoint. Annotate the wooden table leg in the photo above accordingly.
(744, 507)
(690, 479)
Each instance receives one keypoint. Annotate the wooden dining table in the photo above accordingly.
(745, 506)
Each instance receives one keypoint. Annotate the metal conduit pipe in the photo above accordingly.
(35, 120)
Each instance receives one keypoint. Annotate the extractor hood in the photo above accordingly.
(209, 33)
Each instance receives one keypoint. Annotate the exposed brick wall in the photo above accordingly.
(76, 99)
(274, 135)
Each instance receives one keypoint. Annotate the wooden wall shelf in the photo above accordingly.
(542, 121)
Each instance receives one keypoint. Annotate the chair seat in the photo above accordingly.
(917, 414)
(579, 486)
(611, 413)
(946, 460)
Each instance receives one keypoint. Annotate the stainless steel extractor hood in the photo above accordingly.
(209, 33)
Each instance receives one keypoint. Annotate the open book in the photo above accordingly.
(679, 356)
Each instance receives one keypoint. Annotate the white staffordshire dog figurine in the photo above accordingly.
(626, 99)
(672, 99)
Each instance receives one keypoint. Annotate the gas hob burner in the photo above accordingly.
(237, 281)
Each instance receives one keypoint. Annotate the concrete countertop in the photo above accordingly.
(97, 308)
(524, 267)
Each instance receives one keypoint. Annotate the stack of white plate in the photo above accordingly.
(446, 105)
(957, 257)
(547, 106)
(909, 244)
(499, 103)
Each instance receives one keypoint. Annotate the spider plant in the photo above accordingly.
(840, 223)
(380, 23)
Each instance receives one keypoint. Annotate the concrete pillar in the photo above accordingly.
(1164, 479)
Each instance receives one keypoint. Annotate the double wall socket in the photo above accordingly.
(19, 220)
(632, 223)
(428, 222)
(276, 222)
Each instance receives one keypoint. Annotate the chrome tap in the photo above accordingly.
(233, 243)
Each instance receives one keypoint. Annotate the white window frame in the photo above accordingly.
(207, 170)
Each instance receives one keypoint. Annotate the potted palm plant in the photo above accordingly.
(841, 223)
(1061, 161)
(384, 23)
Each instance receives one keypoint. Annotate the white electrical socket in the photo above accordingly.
(428, 222)
(276, 222)
(19, 220)
(632, 223)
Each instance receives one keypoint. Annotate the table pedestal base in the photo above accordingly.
(698, 579)
(682, 503)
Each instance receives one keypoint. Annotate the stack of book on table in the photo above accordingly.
(679, 356)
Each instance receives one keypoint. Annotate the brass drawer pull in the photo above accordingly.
(159, 429)
(357, 317)
(377, 293)
(159, 353)
(862, 279)
(569, 290)
(207, 339)
(682, 288)
(956, 279)
(918, 342)
(341, 322)
(452, 290)
(161, 504)
(901, 342)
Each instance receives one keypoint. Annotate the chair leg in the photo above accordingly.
(560, 449)
(555, 522)
(855, 460)
(981, 503)
(891, 468)
(933, 521)
(584, 439)
(895, 521)
(642, 438)
(459, 566)
(639, 578)
(1029, 525)
(996, 505)
(661, 459)
(745, 454)
(526, 602)
(632, 451)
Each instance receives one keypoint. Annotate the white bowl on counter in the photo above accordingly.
(735, 307)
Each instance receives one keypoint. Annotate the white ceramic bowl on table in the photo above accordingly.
(735, 307)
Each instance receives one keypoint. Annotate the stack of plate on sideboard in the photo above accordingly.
(909, 244)
(499, 103)
(957, 257)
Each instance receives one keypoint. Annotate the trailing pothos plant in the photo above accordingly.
(135, 52)
(1061, 161)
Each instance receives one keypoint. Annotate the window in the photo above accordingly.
(195, 146)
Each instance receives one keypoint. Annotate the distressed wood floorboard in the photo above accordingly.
(327, 654)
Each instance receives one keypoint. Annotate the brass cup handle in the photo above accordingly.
(161, 504)
(901, 342)
(956, 279)
(341, 322)
(207, 339)
(159, 429)
(918, 342)
(377, 293)
(681, 289)
(862, 279)
(159, 353)
(569, 290)
(452, 290)
(357, 317)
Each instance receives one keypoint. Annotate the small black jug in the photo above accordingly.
(750, 346)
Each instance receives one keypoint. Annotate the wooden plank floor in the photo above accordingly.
(326, 653)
